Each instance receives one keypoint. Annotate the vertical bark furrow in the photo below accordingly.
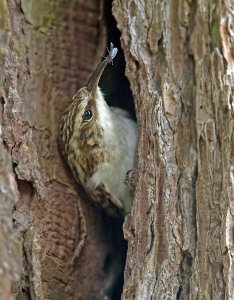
(10, 247)
(189, 144)
(54, 47)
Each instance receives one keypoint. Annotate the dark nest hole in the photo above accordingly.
(116, 88)
(114, 83)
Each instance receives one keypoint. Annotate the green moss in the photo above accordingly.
(16, 249)
(40, 14)
(214, 24)
(4, 16)
(215, 33)
(48, 19)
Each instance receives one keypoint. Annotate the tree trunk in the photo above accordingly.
(53, 47)
(179, 61)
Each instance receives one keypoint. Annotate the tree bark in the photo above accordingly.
(52, 48)
(10, 250)
(179, 61)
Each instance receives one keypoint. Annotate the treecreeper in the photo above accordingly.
(98, 142)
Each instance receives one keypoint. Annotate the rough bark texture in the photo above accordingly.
(53, 47)
(10, 251)
(179, 60)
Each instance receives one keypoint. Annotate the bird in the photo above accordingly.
(98, 143)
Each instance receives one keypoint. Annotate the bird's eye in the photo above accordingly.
(87, 116)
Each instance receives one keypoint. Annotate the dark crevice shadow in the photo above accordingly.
(114, 84)
(116, 89)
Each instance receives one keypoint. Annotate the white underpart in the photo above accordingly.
(122, 143)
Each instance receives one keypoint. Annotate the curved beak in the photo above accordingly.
(94, 80)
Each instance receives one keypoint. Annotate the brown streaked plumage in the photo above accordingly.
(98, 143)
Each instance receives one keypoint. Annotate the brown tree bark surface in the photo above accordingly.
(179, 60)
(50, 50)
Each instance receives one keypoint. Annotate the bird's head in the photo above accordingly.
(88, 114)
